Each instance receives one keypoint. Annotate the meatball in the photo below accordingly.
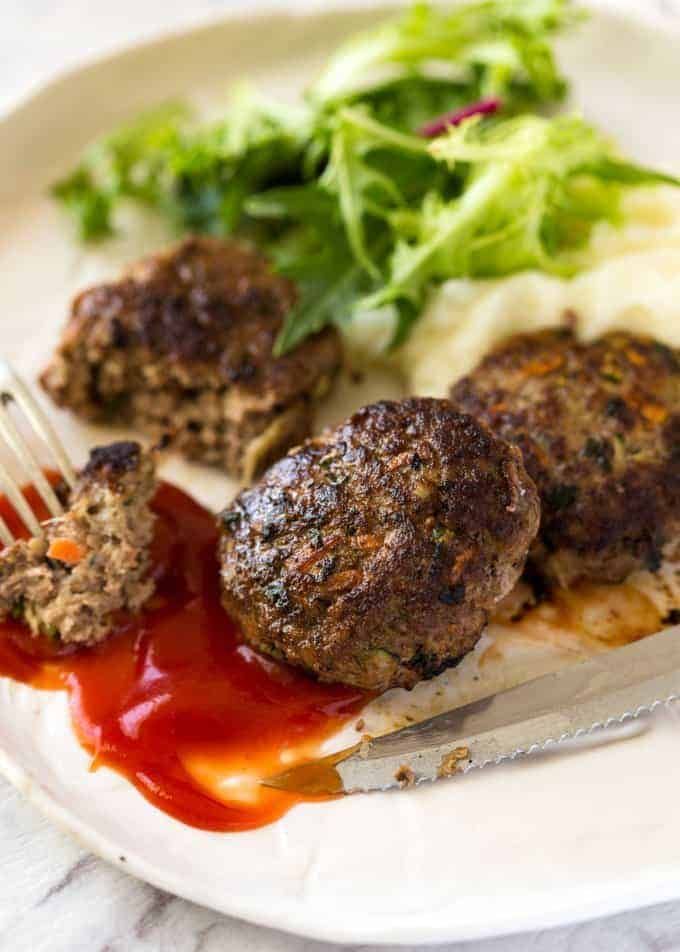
(93, 562)
(372, 554)
(599, 428)
(182, 345)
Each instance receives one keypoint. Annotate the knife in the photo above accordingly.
(594, 694)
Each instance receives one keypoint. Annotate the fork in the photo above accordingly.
(15, 393)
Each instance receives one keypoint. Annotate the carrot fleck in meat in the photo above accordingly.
(654, 413)
(342, 581)
(66, 550)
(368, 541)
(635, 357)
(543, 365)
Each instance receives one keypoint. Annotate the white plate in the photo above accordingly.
(534, 844)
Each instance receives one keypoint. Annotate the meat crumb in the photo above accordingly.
(364, 745)
(405, 777)
(451, 762)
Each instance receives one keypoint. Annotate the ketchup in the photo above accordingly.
(174, 700)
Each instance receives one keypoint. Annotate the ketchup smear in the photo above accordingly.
(174, 700)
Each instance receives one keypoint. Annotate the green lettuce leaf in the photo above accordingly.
(494, 45)
(533, 189)
(197, 175)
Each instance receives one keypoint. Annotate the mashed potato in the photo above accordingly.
(634, 282)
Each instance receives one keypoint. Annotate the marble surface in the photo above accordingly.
(55, 897)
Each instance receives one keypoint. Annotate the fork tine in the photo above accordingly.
(16, 497)
(27, 459)
(6, 536)
(13, 390)
(17, 389)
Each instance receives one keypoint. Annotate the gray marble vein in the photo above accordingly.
(54, 897)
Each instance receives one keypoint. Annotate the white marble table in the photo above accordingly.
(54, 897)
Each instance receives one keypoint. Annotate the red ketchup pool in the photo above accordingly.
(174, 701)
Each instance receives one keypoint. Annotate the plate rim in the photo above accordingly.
(651, 887)
(568, 908)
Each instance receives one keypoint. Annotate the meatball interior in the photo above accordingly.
(108, 525)
(372, 554)
(599, 428)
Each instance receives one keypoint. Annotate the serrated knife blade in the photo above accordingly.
(607, 689)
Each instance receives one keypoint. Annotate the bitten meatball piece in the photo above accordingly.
(182, 345)
(92, 563)
(599, 428)
(372, 554)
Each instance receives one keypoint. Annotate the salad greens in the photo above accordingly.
(532, 190)
(493, 47)
(349, 199)
(197, 175)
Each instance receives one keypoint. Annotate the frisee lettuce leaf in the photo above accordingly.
(496, 46)
(311, 247)
(362, 186)
(533, 189)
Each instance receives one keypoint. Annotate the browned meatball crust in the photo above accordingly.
(182, 345)
(599, 427)
(372, 554)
